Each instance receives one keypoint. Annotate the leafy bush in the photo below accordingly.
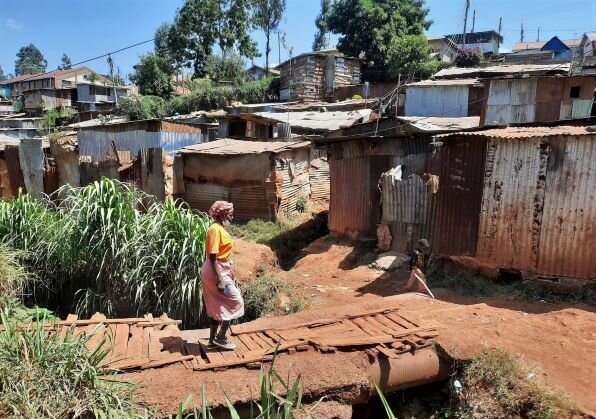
(43, 375)
(468, 57)
(208, 97)
(142, 107)
(264, 294)
(108, 247)
(496, 384)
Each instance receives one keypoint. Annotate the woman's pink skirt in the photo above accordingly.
(219, 306)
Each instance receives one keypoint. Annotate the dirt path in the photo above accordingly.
(560, 338)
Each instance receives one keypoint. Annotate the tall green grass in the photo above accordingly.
(108, 247)
(46, 375)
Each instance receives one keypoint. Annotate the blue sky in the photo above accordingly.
(85, 29)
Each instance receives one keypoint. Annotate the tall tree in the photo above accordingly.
(268, 15)
(202, 24)
(376, 30)
(228, 67)
(320, 41)
(161, 40)
(66, 64)
(153, 75)
(2, 76)
(30, 60)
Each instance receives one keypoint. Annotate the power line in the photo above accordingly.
(31, 76)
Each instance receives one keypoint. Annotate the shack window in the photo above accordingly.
(91, 89)
(575, 91)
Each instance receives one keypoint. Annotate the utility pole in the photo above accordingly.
(521, 37)
(500, 28)
(278, 49)
(466, 22)
(474, 21)
(538, 37)
(111, 64)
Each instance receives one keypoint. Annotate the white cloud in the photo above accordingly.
(13, 24)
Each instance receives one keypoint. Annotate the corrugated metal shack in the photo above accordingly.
(537, 99)
(503, 70)
(520, 198)
(101, 140)
(444, 98)
(313, 76)
(269, 125)
(262, 179)
(364, 205)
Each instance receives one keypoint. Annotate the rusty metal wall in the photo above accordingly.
(404, 200)
(460, 196)
(13, 166)
(31, 159)
(251, 202)
(152, 174)
(200, 196)
(568, 229)
(509, 220)
(354, 206)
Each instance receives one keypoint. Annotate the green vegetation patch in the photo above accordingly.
(267, 295)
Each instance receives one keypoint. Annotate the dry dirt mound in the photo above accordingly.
(249, 257)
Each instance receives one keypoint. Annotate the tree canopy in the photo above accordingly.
(320, 41)
(161, 46)
(30, 60)
(153, 75)
(268, 15)
(228, 67)
(2, 76)
(378, 30)
(202, 24)
(65, 62)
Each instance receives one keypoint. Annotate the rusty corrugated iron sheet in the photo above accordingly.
(355, 197)
(568, 232)
(200, 196)
(13, 165)
(511, 203)
(251, 202)
(31, 158)
(460, 196)
(403, 200)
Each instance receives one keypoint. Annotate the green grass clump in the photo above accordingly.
(496, 384)
(257, 230)
(13, 277)
(50, 376)
(108, 247)
(262, 296)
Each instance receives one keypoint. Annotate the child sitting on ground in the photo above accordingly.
(418, 264)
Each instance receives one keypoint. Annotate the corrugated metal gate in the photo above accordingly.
(460, 197)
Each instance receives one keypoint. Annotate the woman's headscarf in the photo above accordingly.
(220, 209)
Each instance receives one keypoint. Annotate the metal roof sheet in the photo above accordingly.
(454, 82)
(441, 124)
(503, 69)
(527, 132)
(318, 121)
(229, 146)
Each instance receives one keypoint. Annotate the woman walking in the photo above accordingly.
(222, 297)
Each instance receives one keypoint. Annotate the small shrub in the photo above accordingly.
(497, 384)
(469, 57)
(262, 296)
(43, 375)
(257, 230)
(142, 107)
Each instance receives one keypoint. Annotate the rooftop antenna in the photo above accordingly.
(466, 21)
(500, 28)
(473, 20)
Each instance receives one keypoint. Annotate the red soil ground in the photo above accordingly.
(560, 339)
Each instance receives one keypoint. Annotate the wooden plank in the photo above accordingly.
(379, 326)
(240, 361)
(274, 336)
(388, 353)
(398, 320)
(167, 361)
(248, 342)
(369, 340)
(267, 339)
(392, 325)
(260, 341)
(366, 327)
(146, 335)
(128, 363)
(135, 342)
(121, 340)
